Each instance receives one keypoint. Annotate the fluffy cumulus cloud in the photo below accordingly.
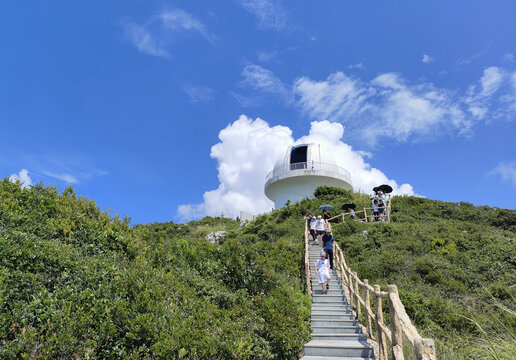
(23, 177)
(248, 150)
(506, 171)
(156, 36)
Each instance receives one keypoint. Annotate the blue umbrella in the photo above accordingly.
(326, 207)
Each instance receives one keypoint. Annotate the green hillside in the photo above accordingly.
(76, 282)
(454, 265)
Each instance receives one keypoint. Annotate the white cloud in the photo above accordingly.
(246, 101)
(156, 36)
(508, 57)
(23, 177)
(468, 60)
(507, 171)
(269, 13)
(179, 20)
(199, 94)
(248, 150)
(266, 56)
(388, 107)
(385, 107)
(356, 66)
(143, 40)
(264, 80)
(427, 59)
(67, 178)
(479, 96)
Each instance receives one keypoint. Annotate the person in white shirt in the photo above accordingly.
(322, 270)
(319, 227)
(313, 222)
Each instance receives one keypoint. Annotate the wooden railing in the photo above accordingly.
(400, 324)
(363, 216)
(307, 262)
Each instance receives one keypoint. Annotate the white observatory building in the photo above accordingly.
(303, 168)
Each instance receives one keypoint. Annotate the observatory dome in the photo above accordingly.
(302, 169)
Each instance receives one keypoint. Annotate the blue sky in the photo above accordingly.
(125, 99)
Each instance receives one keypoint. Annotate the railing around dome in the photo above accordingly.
(313, 167)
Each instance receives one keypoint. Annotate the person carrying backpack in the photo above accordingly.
(328, 246)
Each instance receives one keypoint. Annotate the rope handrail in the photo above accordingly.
(400, 323)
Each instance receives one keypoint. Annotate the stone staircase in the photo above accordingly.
(336, 334)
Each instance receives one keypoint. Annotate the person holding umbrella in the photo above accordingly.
(351, 208)
(326, 215)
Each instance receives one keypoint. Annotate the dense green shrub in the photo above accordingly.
(323, 192)
(78, 283)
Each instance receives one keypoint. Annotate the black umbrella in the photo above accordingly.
(348, 206)
(386, 189)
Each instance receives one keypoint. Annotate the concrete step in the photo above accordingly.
(332, 310)
(316, 290)
(327, 298)
(331, 304)
(332, 323)
(336, 329)
(339, 336)
(329, 292)
(331, 315)
(339, 348)
(325, 311)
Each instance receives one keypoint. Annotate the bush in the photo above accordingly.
(78, 283)
(324, 191)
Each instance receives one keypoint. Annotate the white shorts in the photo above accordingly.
(323, 277)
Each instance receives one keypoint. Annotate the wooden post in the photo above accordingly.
(382, 344)
(351, 291)
(367, 306)
(342, 217)
(425, 349)
(365, 214)
(396, 330)
(357, 294)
